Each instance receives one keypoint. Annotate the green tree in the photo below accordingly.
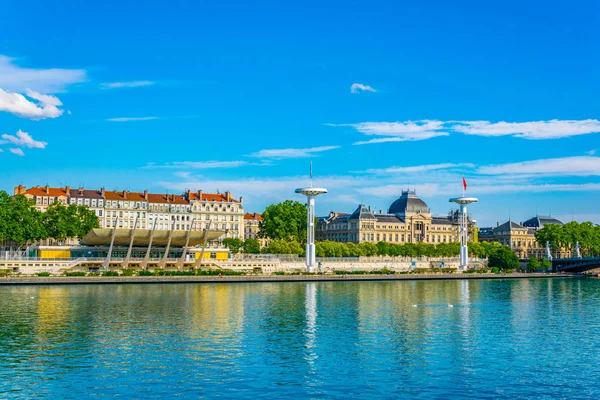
(503, 258)
(546, 265)
(25, 222)
(286, 220)
(251, 246)
(533, 264)
(233, 244)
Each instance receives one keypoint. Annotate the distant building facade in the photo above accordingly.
(520, 237)
(252, 225)
(408, 220)
(180, 212)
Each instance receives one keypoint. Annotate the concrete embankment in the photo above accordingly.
(261, 278)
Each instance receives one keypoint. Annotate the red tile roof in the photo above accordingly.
(218, 197)
(253, 217)
(46, 191)
(128, 196)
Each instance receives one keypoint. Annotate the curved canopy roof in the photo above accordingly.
(103, 236)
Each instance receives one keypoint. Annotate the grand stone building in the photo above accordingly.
(408, 220)
(520, 237)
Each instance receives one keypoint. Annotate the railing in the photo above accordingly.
(296, 258)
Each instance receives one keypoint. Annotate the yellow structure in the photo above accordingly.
(220, 255)
(51, 253)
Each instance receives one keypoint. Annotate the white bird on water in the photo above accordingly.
(450, 305)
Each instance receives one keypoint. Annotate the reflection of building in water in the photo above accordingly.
(53, 309)
(217, 313)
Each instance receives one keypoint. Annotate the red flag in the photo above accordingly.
(464, 184)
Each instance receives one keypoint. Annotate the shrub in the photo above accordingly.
(75, 273)
(144, 272)
(128, 272)
(4, 272)
(110, 273)
(43, 273)
(278, 273)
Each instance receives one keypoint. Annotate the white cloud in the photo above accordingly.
(53, 80)
(23, 139)
(417, 168)
(358, 87)
(200, 164)
(398, 131)
(427, 129)
(131, 119)
(130, 84)
(292, 153)
(591, 152)
(566, 166)
(18, 152)
(45, 106)
(552, 129)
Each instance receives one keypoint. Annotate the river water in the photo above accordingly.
(534, 339)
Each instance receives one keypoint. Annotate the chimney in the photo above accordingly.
(173, 197)
(497, 224)
(80, 190)
(369, 208)
(47, 189)
(187, 194)
(228, 195)
(380, 212)
(20, 190)
(125, 194)
(103, 192)
(68, 190)
(200, 195)
(241, 199)
(146, 194)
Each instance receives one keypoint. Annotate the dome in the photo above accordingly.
(409, 203)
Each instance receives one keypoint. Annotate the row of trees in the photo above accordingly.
(21, 223)
(568, 235)
(499, 256)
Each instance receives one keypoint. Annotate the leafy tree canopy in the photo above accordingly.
(286, 220)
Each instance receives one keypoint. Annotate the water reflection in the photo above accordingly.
(502, 339)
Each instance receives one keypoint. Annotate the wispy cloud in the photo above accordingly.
(200, 165)
(292, 153)
(17, 152)
(359, 87)
(23, 139)
(566, 166)
(417, 168)
(40, 107)
(398, 131)
(52, 80)
(128, 84)
(131, 119)
(427, 129)
(591, 152)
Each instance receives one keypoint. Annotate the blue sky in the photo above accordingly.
(240, 96)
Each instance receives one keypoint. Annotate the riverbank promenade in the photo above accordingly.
(79, 280)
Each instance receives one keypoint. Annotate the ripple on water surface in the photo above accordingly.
(498, 339)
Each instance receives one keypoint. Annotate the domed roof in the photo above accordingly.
(409, 203)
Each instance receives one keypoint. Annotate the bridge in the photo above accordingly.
(575, 264)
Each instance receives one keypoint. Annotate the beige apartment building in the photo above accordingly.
(408, 220)
(252, 225)
(180, 212)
